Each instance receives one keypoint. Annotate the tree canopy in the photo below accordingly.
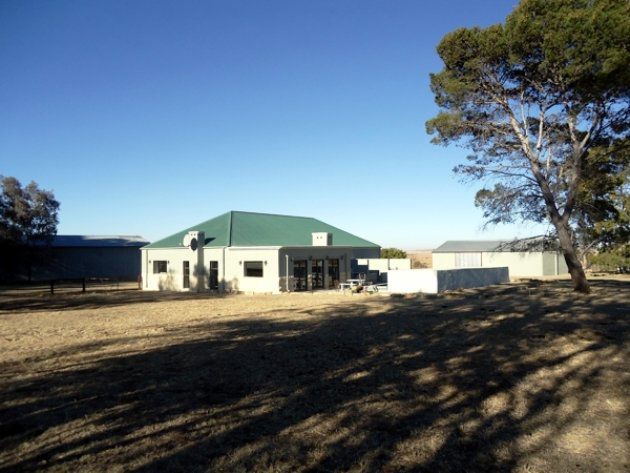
(28, 215)
(393, 253)
(542, 101)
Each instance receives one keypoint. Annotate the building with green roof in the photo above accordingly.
(253, 252)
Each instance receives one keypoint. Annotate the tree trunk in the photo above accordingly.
(580, 283)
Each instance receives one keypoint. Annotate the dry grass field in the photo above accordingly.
(512, 378)
(420, 258)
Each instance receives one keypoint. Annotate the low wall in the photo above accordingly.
(433, 281)
(402, 281)
(471, 277)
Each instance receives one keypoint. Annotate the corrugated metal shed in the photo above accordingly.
(98, 241)
(237, 228)
(537, 243)
(457, 246)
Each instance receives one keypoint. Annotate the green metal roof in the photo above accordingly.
(237, 228)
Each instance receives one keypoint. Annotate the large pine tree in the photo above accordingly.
(531, 97)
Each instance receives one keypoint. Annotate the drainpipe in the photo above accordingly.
(223, 270)
(287, 273)
(146, 269)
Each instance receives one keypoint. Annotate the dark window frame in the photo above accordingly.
(317, 273)
(213, 275)
(300, 274)
(251, 269)
(186, 274)
(158, 264)
(333, 272)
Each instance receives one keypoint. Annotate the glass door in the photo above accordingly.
(299, 275)
(317, 271)
(333, 273)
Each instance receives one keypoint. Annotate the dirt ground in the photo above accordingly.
(523, 377)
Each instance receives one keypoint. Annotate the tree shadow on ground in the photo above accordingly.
(94, 300)
(477, 381)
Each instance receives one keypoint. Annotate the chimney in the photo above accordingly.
(322, 239)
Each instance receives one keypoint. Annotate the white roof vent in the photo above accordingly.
(322, 239)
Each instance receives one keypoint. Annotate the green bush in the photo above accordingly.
(392, 253)
(615, 259)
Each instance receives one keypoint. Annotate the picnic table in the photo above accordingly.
(350, 283)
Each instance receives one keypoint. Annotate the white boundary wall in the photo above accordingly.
(433, 281)
(402, 281)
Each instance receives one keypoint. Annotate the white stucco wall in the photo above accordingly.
(172, 280)
(231, 274)
(231, 267)
(432, 281)
(404, 281)
(235, 278)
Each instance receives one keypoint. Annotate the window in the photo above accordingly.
(213, 279)
(186, 271)
(160, 267)
(253, 269)
(467, 260)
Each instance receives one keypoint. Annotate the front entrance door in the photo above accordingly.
(318, 273)
(299, 275)
(333, 273)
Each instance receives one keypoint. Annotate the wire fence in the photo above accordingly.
(66, 286)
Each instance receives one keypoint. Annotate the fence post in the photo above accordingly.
(83, 281)
(52, 286)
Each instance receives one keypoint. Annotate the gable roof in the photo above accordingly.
(536, 243)
(98, 241)
(236, 228)
(455, 246)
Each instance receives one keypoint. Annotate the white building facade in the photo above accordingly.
(235, 252)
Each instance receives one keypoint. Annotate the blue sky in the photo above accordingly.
(145, 117)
